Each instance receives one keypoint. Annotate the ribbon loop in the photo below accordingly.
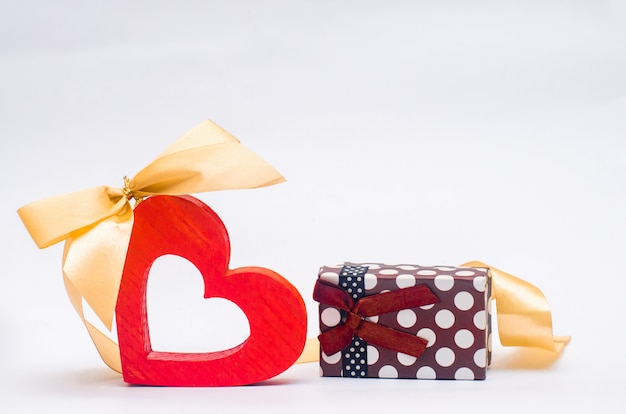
(338, 337)
(332, 296)
(393, 301)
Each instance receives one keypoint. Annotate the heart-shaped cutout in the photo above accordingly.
(186, 227)
(180, 319)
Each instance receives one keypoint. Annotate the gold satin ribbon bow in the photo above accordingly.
(96, 223)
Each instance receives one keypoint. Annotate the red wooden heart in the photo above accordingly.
(186, 227)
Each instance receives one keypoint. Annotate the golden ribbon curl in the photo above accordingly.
(96, 223)
(523, 313)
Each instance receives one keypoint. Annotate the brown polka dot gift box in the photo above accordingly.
(424, 322)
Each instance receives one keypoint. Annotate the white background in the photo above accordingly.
(414, 132)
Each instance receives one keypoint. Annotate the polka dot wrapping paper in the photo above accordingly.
(457, 328)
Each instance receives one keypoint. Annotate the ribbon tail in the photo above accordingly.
(311, 352)
(107, 349)
(335, 339)
(97, 280)
(524, 317)
(391, 339)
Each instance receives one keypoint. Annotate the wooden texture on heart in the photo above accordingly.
(186, 227)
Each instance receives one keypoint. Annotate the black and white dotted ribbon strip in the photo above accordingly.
(354, 356)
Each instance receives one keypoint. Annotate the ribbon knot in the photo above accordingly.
(353, 320)
(356, 323)
(127, 189)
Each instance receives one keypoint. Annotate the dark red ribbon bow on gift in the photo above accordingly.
(338, 337)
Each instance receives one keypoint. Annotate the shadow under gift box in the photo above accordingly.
(457, 328)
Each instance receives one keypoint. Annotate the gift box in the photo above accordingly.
(404, 321)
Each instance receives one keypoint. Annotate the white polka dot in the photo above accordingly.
(330, 277)
(426, 272)
(332, 359)
(321, 372)
(388, 371)
(405, 281)
(479, 283)
(372, 355)
(444, 319)
(480, 321)
(426, 373)
(464, 338)
(427, 307)
(373, 319)
(372, 266)
(480, 358)
(429, 335)
(465, 273)
(445, 357)
(336, 266)
(464, 301)
(405, 359)
(407, 267)
(370, 281)
(389, 272)
(444, 282)
(445, 268)
(331, 317)
(464, 374)
(406, 318)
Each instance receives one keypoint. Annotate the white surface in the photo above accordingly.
(419, 132)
